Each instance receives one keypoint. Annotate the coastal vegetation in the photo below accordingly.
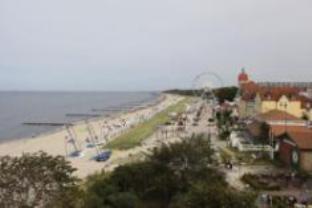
(134, 136)
(179, 175)
(38, 180)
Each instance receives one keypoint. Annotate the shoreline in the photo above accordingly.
(112, 115)
(54, 143)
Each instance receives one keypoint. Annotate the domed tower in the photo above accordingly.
(243, 77)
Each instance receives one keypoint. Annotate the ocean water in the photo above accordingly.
(17, 108)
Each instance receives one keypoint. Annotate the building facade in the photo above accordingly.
(255, 98)
(295, 150)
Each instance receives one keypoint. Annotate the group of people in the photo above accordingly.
(175, 128)
(108, 130)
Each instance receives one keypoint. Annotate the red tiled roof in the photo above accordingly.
(250, 89)
(305, 102)
(279, 130)
(276, 93)
(302, 139)
(254, 129)
(277, 115)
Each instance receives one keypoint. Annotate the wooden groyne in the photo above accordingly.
(82, 115)
(109, 110)
(46, 124)
(131, 106)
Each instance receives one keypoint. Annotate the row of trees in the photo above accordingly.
(173, 176)
(222, 94)
(226, 94)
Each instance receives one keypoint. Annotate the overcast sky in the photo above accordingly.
(150, 45)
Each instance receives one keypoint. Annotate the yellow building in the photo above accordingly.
(255, 98)
(293, 107)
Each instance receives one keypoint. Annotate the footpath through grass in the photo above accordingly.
(136, 135)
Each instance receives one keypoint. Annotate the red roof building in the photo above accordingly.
(277, 92)
(295, 149)
(257, 97)
(277, 115)
(280, 122)
(280, 130)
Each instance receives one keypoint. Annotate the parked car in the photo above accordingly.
(104, 156)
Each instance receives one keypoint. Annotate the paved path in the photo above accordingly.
(234, 175)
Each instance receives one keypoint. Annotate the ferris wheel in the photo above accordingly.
(204, 84)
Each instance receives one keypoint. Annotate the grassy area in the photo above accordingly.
(136, 135)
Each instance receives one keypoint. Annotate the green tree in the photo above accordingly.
(224, 123)
(226, 93)
(37, 180)
(174, 175)
(192, 153)
(264, 134)
(211, 195)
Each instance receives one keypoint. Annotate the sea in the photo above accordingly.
(18, 108)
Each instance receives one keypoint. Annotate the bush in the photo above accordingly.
(255, 183)
(174, 175)
(37, 180)
(213, 196)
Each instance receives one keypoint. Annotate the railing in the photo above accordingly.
(254, 148)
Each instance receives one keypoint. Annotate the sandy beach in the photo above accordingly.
(55, 143)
